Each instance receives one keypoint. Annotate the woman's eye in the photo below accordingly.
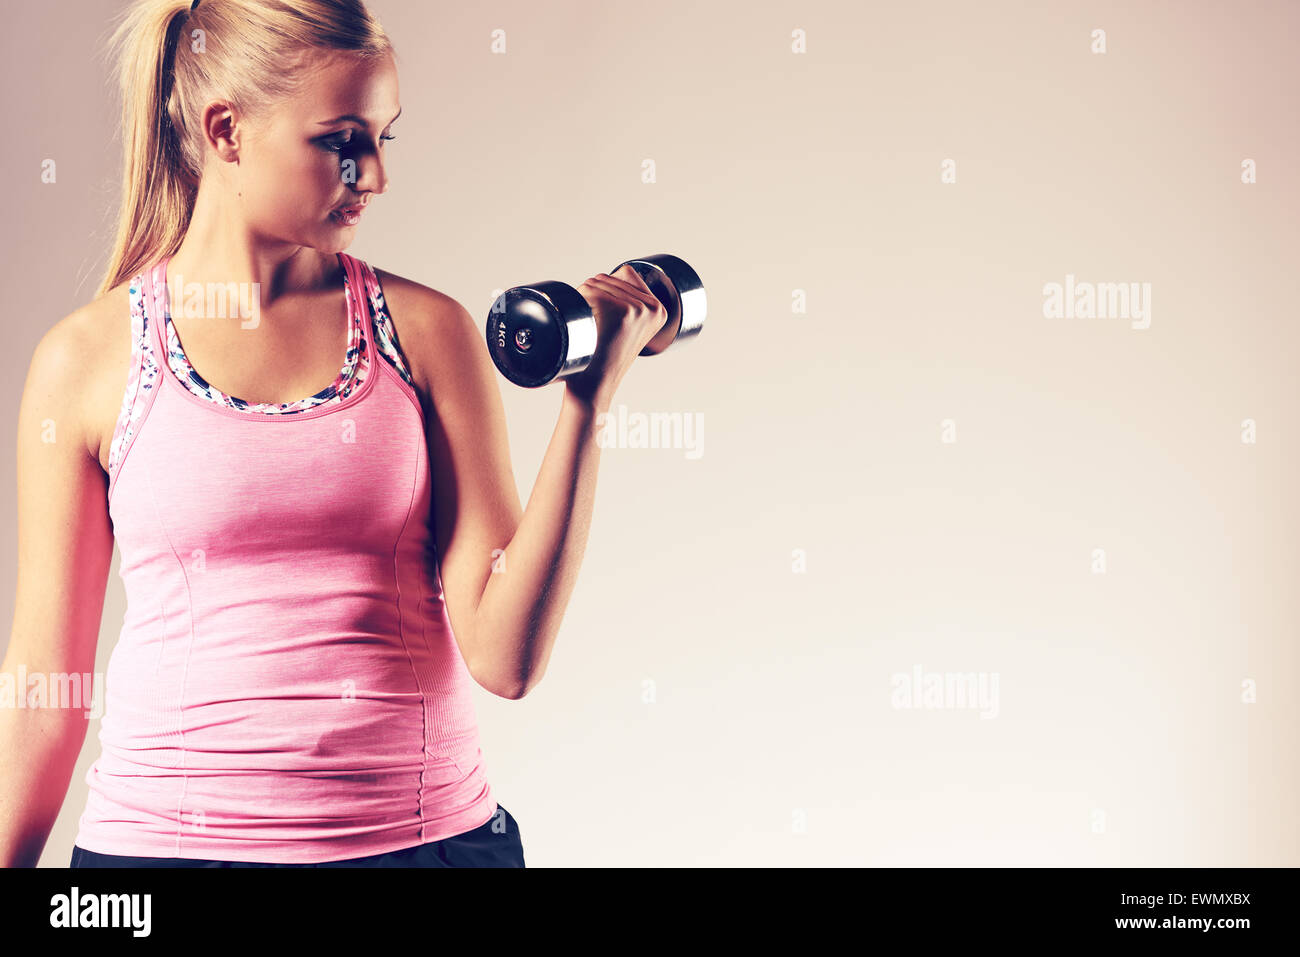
(338, 144)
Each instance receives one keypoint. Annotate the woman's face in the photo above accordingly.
(319, 151)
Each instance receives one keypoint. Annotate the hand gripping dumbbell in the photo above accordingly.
(546, 331)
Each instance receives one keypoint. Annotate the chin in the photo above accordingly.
(333, 241)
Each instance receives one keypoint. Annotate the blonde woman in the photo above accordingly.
(310, 489)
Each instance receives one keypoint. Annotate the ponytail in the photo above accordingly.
(157, 191)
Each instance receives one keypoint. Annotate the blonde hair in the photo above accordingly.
(171, 62)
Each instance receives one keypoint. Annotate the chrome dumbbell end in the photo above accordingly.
(678, 287)
(540, 332)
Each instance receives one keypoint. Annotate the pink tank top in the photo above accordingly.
(286, 686)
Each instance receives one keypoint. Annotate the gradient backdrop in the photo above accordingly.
(907, 466)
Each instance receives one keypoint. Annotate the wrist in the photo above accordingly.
(588, 401)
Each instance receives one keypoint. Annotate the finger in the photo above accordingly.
(606, 286)
(632, 276)
(614, 287)
(641, 294)
(597, 288)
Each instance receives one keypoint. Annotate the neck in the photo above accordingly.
(220, 250)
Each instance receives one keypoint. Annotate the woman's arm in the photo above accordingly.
(523, 602)
(507, 577)
(65, 547)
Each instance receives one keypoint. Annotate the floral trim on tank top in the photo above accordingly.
(351, 375)
(145, 368)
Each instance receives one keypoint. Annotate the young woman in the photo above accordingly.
(312, 583)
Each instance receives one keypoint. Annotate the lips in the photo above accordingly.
(347, 215)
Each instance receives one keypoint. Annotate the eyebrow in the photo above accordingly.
(357, 119)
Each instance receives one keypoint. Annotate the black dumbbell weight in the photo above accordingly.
(545, 331)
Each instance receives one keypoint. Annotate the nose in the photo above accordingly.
(372, 176)
(364, 174)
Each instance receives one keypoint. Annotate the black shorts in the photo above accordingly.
(481, 847)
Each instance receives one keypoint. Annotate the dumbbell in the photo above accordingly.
(545, 330)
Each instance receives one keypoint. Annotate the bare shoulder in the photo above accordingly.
(437, 334)
(80, 365)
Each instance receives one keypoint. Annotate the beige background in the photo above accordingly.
(1121, 735)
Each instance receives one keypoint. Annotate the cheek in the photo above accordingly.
(299, 188)
(321, 172)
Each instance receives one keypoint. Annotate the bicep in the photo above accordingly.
(65, 538)
(476, 507)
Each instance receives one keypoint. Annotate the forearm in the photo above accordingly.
(38, 750)
(524, 600)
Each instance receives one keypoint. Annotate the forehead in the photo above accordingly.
(340, 83)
